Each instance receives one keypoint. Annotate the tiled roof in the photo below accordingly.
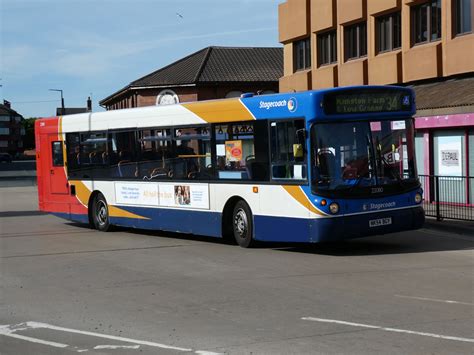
(184, 71)
(220, 64)
(243, 65)
(453, 92)
(4, 110)
(217, 65)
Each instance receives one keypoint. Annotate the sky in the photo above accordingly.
(96, 47)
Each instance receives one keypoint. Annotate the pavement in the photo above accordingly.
(65, 288)
(452, 226)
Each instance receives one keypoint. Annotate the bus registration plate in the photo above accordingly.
(380, 222)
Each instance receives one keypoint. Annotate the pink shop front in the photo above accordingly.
(445, 151)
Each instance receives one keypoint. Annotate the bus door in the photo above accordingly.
(56, 168)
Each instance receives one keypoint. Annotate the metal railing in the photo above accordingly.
(448, 197)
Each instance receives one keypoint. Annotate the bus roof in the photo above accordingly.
(327, 104)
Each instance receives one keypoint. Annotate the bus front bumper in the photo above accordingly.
(364, 225)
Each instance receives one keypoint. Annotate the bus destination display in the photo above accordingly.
(367, 102)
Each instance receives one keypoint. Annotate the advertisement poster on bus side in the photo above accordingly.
(183, 195)
(136, 194)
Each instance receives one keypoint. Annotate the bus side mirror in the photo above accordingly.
(301, 136)
(298, 147)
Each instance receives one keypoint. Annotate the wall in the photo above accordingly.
(300, 18)
(147, 97)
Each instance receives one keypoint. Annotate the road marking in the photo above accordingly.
(36, 325)
(435, 300)
(115, 347)
(447, 337)
(6, 330)
(9, 330)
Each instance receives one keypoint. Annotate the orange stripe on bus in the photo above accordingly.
(83, 195)
(231, 110)
(297, 193)
(118, 212)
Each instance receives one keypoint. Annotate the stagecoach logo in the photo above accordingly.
(378, 206)
(291, 104)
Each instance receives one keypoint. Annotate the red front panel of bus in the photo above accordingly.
(54, 193)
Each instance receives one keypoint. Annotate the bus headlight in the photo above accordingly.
(418, 198)
(334, 208)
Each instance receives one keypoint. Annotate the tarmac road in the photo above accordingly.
(68, 289)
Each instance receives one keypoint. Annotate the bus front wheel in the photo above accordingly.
(100, 213)
(242, 224)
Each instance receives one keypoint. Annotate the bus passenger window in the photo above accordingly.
(288, 150)
(234, 150)
(193, 154)
(156, 154)
(122, 153)
(57, 153)
(241, 151)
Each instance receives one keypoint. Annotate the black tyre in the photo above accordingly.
(242, 224)
(100, 213)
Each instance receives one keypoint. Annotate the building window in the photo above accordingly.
(355, 41)
(4, 131)
(462, 16)
(388, 32)
(327, 48)
(302, 54)
(426, 22)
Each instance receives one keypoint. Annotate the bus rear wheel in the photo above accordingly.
(100, 213)
(242, 224)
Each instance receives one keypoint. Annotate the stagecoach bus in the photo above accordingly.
(301, 167)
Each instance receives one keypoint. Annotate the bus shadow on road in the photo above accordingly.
(381, 245)
(22, 213)
(411, 242)
(159, 234)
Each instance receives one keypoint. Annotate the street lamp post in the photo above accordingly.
(62, 99)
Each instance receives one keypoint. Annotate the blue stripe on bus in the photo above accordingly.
(268, 228)
(181, 221)
(282, 229)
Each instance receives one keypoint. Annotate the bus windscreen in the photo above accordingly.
(367, 101)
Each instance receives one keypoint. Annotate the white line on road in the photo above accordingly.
(35, 325)
(435, 300)
(9, 332)
(115, 347)
(447, 337)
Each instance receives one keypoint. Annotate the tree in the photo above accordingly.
(29, 139)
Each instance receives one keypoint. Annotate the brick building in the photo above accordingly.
(11, 130)
(211, 73)
(425, 44)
